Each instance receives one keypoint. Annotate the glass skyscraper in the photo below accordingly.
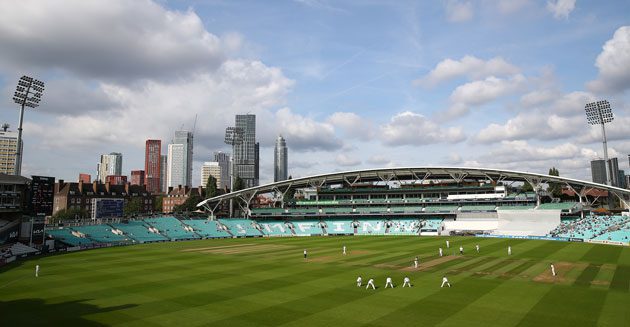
(245, 154)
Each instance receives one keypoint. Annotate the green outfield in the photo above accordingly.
(266, 282)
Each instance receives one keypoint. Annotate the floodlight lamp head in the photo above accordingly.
(599, 112)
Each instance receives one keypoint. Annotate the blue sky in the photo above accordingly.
(350, 84)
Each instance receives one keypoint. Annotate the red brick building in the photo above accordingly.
(152, 165)
(137, 177)
(79, 195)
(85, 178)
(177, 196)
(116, 179)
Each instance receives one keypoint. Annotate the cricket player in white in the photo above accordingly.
(36, 270)
(415, 263)
(448, 245)
(406, 282)
(441, 252)
(344, 250)
(477, 247)
(445, 281)
(509, 250)
(553, 270)
(388, 281)
(359, 281)
(370, 283)
(461, 249)
(305, 254)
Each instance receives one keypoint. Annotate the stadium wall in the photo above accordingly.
(527, 222)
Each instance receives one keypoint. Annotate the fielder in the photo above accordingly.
(370, 283)
(441, 254)
(461, 250)
(445, 281)
(553, 270)
(509, 250)
(477, 247)
(448, 245)
(359, 281)
(406, 282)
(344, 250)
(305, 254)
(388, 281)
(415, 263)
(36, 270)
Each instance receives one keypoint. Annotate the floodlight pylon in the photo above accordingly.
(28, 93)
(600, 113)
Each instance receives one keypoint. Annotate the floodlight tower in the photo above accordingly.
(28, 93)
(600, 113)
(233, 137)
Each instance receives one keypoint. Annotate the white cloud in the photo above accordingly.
(480, 92)
(613, 64)
(352, 125)
(306, 134)
(469, 66)
(458, 11)
(541, 120)
(510, 6)
(409, 128)
(347, 160)
(379, 160)
(112, 39)
(561, 8)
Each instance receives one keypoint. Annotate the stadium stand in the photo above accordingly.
(172, 228)
(102, 234)
(307, 228)
(241, 227)
(19, 249)
(139, 231)
(566, 206)
(275, 228)
(339, 227)
(206, 228)
(370, 227)
(402, 227)
(593, 227)
(442, 208)
(478, 208)
(66, 235)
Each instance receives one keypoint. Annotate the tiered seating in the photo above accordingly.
(620, 235)
(19, 249)
(65, 235)
(337, 210)
(240, 227)
(102, 234)
(339, 227)
(445, 208)
(267, 211)
(206, 228)
(275, 228)
(307, 227)
(558, 206)
(172, 228)
(432, 223)
(139, 231)
(371, 227)
(478, 208)
(403, 226)
(589, 227)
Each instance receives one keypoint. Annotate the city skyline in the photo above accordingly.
(487, 83)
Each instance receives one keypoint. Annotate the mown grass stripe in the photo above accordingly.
(621, 278)
(517, 270)
(587, 275)
(566, 306)
(471, 266)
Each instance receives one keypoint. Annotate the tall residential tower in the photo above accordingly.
(110, 165)
(280, 160)
(245, 158)
(180, 160)
(152, 165)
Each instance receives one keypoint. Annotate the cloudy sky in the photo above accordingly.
(350, 84)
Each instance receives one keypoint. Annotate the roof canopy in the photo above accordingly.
(419, 175)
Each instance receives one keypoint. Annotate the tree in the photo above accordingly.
(239, 184)
(554, 188)
(527, 187)
(189, 205)
(211, 187)
(68, 214)
(157, 203)
(133, 207)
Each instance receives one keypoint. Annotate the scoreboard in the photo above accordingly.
(107, 208)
